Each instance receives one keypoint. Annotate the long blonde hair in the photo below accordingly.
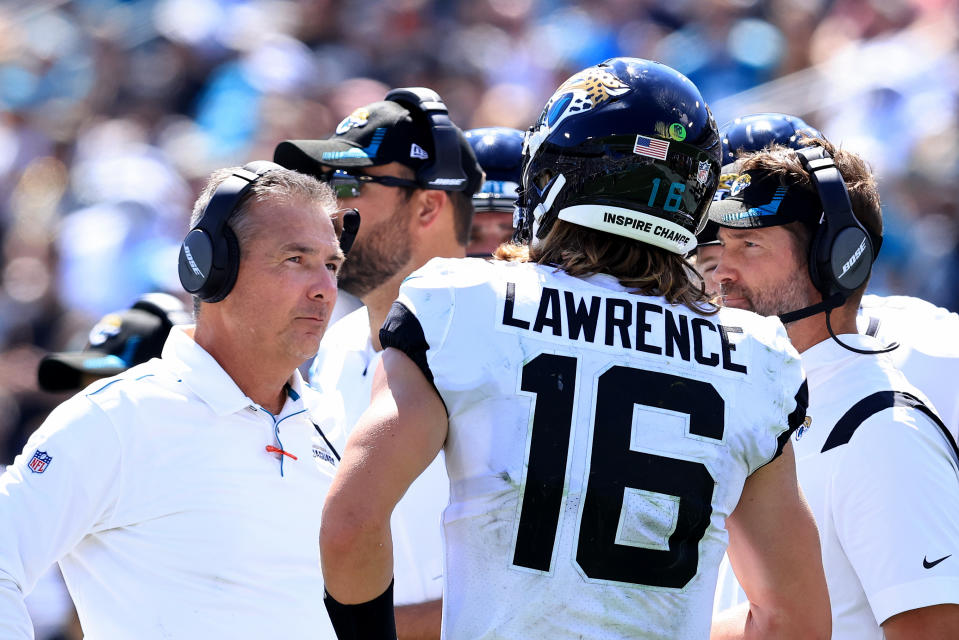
(641, 268)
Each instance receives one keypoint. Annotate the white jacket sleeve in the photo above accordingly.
(63, 486)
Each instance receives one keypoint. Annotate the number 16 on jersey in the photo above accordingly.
(613, 470)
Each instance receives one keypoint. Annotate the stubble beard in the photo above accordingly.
(379, 255)
(791, 295)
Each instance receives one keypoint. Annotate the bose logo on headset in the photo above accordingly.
(189, 257)
(854, 258)
(841, 252)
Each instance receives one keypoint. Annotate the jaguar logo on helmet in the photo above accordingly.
(582, 92)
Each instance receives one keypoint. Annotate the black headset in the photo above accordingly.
(445, 172)
(842, 251)
(210, 254)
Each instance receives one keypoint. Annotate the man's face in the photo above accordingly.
(761, 270)
(490, 229)
(707, 257)
(286, 284)
(383, 245)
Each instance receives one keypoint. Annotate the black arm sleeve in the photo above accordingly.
(371, 620)
(403, 331)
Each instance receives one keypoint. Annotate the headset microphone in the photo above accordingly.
(351, 224)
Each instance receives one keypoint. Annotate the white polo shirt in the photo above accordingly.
(344, 367)
(928, 352)
(886, 502)
(169, 518)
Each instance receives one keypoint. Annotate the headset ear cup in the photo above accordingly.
(196, 262)
(847, 255)
(226, 276)
(850, 259)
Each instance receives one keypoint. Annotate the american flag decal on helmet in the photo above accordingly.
(39, 462)
(651, 147)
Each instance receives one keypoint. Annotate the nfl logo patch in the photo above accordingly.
(703, 175)
(38, 463)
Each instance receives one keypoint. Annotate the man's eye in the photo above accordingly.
(296, 259)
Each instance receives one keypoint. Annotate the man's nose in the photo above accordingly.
(324, 285)
(724, 271)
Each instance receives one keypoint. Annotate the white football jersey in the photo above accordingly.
(598, 440)
(928, 352)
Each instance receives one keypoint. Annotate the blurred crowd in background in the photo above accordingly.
(114, 112)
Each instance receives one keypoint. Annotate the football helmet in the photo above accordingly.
(628, 147)
(499, 151)
(759, 130)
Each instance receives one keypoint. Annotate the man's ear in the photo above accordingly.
(429, 203)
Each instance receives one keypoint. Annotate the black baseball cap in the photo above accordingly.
(758, 198)
(117, 342)
(379, 133)
(709, 236)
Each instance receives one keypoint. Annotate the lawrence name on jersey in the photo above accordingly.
(598, 440)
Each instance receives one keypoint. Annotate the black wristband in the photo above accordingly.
(372, 620)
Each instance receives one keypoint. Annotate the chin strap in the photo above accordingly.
(827, 305)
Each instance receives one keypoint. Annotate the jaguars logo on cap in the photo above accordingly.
(108, 327)
(725, 184)
(740, 184)
(358, 118)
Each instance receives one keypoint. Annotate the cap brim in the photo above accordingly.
(65, 371)
(730, 213)
(797, 205)
(306, 156)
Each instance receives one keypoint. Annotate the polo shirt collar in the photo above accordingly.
(294, 393)
(208, 380)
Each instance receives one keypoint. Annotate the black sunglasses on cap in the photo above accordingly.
(348, 185)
